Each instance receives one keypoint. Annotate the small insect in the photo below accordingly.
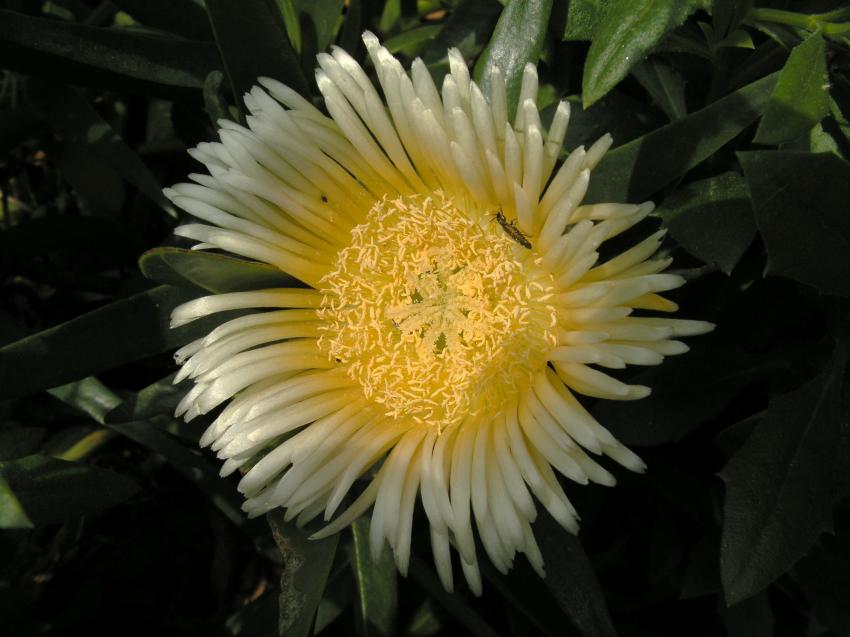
(512, 231)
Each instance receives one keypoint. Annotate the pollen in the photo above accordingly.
(435, 312)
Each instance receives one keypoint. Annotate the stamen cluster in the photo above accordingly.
(433, 311)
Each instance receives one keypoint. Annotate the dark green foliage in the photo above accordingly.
(517, 40)
(636, 170)
(306, 566)
(107, 58)
(468, 28)
(144, 315)
(253, 43)
(50, 490)
(625, 33)
(778, 499)
(377, 584)
(801, 97)
(566, 564)
(712, 219)
(800, 201)
(733, 119)
(212, 272)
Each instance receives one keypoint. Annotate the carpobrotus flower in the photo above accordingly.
(455, 303)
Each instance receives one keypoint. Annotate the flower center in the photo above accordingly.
(436, 311)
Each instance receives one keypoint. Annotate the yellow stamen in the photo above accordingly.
(436, 312)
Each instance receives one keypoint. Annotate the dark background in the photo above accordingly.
(733, 120)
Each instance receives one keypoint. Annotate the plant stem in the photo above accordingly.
(809, 22)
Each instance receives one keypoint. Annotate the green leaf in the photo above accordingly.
(777, 499)
(583, 18)
(12, 514)
(214, 100)
(51, 490)
(800, 202)
(825, 140)
(687, 41)
(89, 396)
(307, 564)
(158, 399)
(397, 15)
(183, 17)
(96, 400)
(768, 57)
(212, 272)
(785, 36)
(629, 31)
(517, 40)
(311, 26)
(453, 603)
(253, 43)
(571, 579)
(315, 22)
(617, 114)
(468, 28)
(357, 18)
(635, 170)
(712, 219)
(83, 445)
(726, 15)
(801, 97)
(411, 41)
(377, 594)
(687, 391)
(665, 86)
(123, 331)
(840, 103)
(289, 15)
(338, 597)
(115, 59)
(75, 121)
(738, 39)
(424, 621)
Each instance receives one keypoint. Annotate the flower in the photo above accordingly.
(455, 304)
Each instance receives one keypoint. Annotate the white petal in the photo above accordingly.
(461, 480)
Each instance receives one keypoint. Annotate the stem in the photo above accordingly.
(836, 28)
(87, 445)
(809, 22)
(780, 16)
